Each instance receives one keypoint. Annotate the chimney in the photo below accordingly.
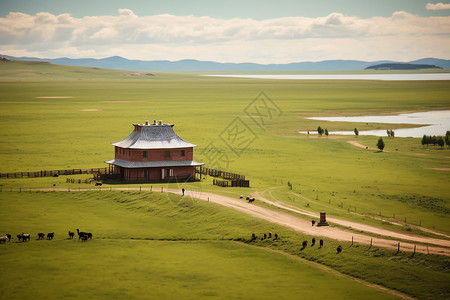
(160, 122)
(154, 122)
(146, 122)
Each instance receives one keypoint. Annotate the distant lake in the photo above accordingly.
(437, 123)
(386, 77)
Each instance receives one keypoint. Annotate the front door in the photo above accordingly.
(122, 173)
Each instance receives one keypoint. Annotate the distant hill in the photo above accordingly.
(117, 62)
(402, 66)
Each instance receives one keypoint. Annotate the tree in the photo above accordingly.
(424, 140)
(388, 132)
(440, 141)
(447, 138)
(434, 140)
(326, 132)
(356, 132)
(319, 130)
(380, 144)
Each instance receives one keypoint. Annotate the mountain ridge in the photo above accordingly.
(118, 62)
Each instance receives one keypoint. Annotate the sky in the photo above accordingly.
(263, 31)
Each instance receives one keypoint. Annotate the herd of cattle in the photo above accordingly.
(23, 237)
(250, 200)
(84, 236)
(304, 243)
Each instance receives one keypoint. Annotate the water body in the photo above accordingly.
(436, 123)
(386, 77)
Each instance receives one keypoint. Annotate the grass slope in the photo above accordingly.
(169, 245)
(130, 255)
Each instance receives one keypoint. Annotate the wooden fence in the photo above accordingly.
(218, 173)
(231, 179)
(231, 183)
(54, 173)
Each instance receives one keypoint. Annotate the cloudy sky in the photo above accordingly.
(263, 31)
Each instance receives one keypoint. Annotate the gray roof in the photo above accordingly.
(153, 164)
(153, 136)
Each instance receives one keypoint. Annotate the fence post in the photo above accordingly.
(414, 253)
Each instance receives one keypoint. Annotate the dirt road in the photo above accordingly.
(436, 246)
(301, 225)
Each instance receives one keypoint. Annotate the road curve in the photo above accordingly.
(437, 246)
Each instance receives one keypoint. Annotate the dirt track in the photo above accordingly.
(437, 246)
(360, 145)
(304, 226)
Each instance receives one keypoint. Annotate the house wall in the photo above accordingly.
(153, 154)
(155, 173)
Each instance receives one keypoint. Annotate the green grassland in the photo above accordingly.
(57, 133)
(165, 246)
(56, 117)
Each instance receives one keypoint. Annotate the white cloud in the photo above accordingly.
(437, 6)
(124, 12)
(401, 37)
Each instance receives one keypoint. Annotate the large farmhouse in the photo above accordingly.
(153, 152)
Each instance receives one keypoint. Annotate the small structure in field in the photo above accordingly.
(153, 152)
(323, 220)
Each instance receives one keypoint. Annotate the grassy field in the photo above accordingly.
(60, 133)
(144, 244)
(55, 117)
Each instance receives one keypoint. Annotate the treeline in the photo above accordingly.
(436, 140)
(321, 131)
